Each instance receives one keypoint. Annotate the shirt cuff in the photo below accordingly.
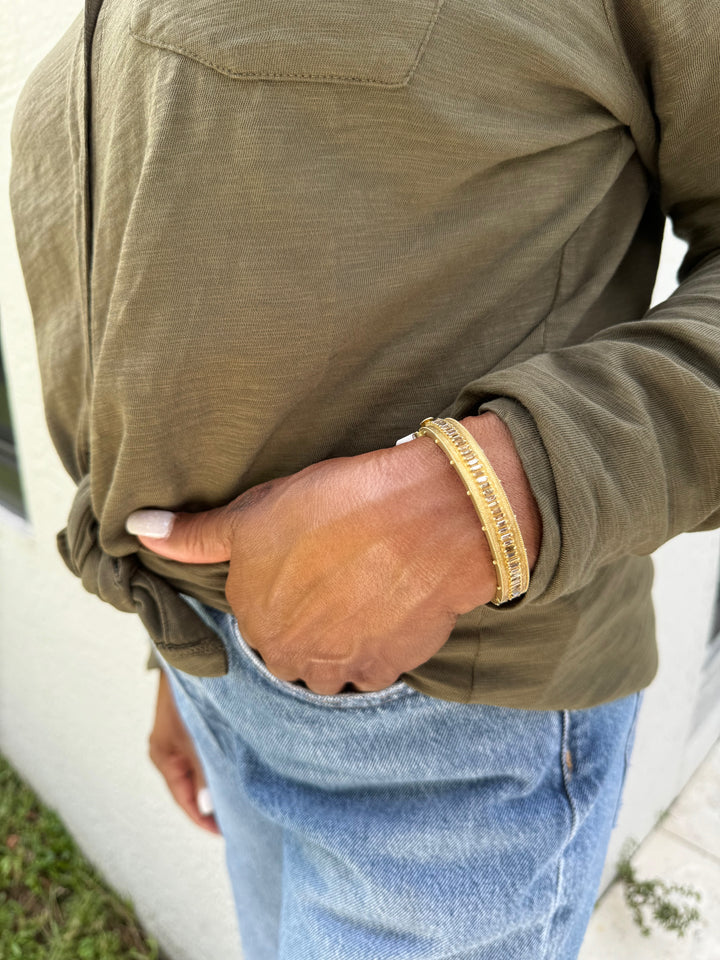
(536, 463)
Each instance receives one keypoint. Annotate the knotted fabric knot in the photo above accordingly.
(182, 638)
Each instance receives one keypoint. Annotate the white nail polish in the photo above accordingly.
(204, 802)
(157, 524)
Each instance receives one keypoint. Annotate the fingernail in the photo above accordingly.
(204, 802)
(151, 523)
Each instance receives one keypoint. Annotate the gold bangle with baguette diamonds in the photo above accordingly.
(491, 504)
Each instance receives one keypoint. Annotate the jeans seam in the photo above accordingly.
(545, 943)
(565, 773)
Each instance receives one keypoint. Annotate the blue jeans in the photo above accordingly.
(395, 826)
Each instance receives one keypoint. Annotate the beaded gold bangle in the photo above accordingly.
(491, 504)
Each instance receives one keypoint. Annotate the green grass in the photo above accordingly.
(53, 903)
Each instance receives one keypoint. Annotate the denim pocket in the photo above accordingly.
(345, 41)
(342, 700)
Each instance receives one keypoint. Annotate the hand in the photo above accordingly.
(172, 752)
(354, 570)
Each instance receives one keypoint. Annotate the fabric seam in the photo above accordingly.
(188, 645)
(476, 662)
(556, 292)
(259, 75)
(564, 748)
(559, 876)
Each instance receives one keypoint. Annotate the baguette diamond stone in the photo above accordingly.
(497, 517)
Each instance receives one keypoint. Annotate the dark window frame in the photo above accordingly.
(11, 492)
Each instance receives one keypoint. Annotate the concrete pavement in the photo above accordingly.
(685, 849)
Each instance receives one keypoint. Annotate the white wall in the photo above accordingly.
(76, 703)
(667, 750)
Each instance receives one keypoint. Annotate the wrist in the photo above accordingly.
(442, 524)
(447, 512)
(497, 442)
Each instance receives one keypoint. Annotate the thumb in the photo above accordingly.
(188, 537)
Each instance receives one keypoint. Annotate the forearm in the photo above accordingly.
(628, 423)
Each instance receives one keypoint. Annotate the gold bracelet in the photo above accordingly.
(491, 504)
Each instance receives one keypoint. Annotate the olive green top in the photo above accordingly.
(315, 224)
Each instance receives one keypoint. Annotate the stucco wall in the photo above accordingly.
(76, 703)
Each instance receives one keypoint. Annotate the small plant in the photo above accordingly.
(669, 904)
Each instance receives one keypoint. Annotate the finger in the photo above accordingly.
(277, 669)
(204, 804)
(186, 797)
(187, 537)
(325, 689)
(204, 801)
(328, 677)
(183, 785)
(325, 685)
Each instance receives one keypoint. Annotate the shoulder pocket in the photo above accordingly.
(377, 42)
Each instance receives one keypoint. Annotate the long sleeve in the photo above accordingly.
(303, 260)
(620, 434)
